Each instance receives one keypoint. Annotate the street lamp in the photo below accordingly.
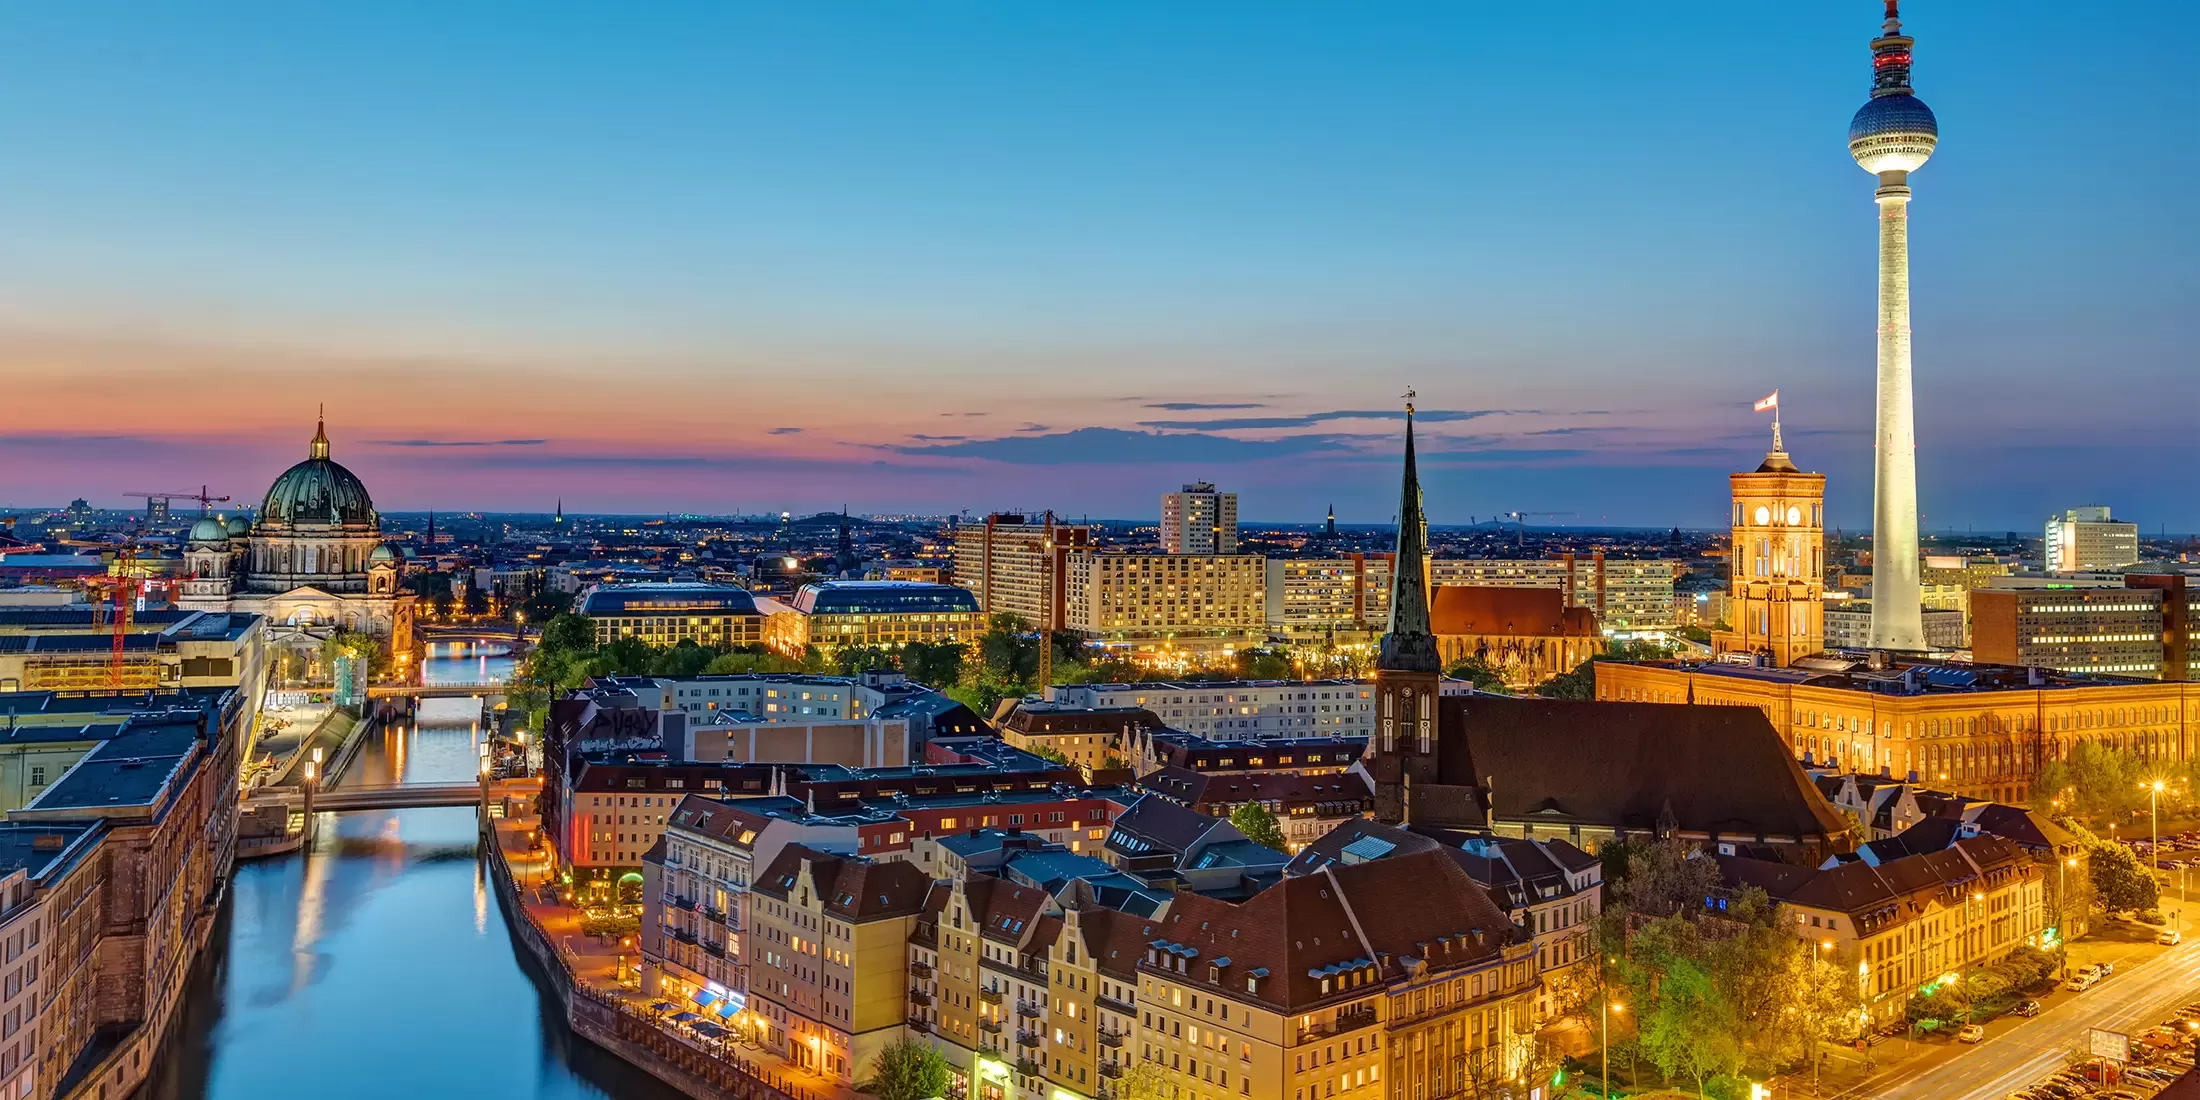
(1816, 1053)
(2154, 816)
(1604, 1044)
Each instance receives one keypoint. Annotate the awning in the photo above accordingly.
(684, 1017)
(727, 1008)
(705, 996)
(661, 1006)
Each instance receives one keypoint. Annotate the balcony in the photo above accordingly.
(714, 947)
(989, 1025)
(1111, 1039)
(711, 914)
(1346, 1021)
(1030, 1010)
(1112, 1070)
(1120, 1008)
(1025, 1037)
(920, 970)
(678, 902)
(920, 997)
(924, 1026)
(683, 935)
(990, 994)
(1029, 1067)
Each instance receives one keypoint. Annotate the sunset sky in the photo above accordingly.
(715, 257)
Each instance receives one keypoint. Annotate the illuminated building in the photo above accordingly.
(2085, 539)
(1182, 600)
(1849, 625)
(1977, 730)
(311, 563)
(1527, 635)
(1898, 919)
(1625, 593)
(1016, 567)
(828, 957)
(828, 614)
(72, 649)
(2111, 630)
(1776, 589)
(1306, 806)
(1892, 135)
(1241, 709)
(1199, 520)
(1308, 598)
(668, 613)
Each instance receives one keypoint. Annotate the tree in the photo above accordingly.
(685, 659)
(1008, 651)
(1052, 756)
(2120, 882)
(1259, 825)
(1263, 664)
(937, 664)
(907, 1069)
(854, 660)
(567, 633)
(1480, 673)
(1145, 1080)
(1662, 878)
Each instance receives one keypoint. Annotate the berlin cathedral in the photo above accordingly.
(313, 562)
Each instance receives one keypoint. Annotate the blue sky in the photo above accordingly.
(925, 257)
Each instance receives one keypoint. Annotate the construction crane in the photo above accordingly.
(126, 587)
(205, 499)
(1521, 518)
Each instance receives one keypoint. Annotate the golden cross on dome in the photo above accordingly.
(1409, 400)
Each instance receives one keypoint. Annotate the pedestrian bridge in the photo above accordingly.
(405, 796)
(436, 691)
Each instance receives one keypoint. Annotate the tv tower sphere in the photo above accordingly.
(1894, 131)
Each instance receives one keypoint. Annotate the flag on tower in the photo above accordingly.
(1771, 402)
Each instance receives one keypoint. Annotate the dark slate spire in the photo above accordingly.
(1407, 645)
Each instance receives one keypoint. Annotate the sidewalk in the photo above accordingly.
(612, 971)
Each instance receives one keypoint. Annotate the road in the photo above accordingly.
(2013, 1057)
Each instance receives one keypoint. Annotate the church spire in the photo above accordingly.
(319, 448)
(1408, 646)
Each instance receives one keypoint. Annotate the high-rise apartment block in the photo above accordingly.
(1015, 566)
(1311, 596)
(1777, 590)
(1626, 594)
(2083, 539)
(1154, 597)
(1199, 520)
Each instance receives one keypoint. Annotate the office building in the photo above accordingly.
(1627, 594)
(1241, 709)
(1015, 567)
(1978, 730)
(830, 614)
(1776, 589)
(1199, 520)
(2107, 630)
(667, 613)
(2086, 539)
(1848, 625)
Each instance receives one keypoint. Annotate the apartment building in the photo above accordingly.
(1087, 738)
(1015, 566)
(1238, 709)
(1625, 593)
(1145, 599)
(1385, 977)
(1306, 598)
(1321, 755)
(1899, 923)
(1199, 520)
(1307, 807)
(829, 957)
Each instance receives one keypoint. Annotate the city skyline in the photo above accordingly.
(743, 263)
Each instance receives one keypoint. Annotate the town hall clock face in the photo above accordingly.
(1795, 516)
(1764, 515)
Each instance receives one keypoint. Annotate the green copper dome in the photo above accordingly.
(317, 493)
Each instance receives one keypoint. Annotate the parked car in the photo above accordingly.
(2105, 969)
(2169, 937)
(2026, 1009)
(1971, 1033)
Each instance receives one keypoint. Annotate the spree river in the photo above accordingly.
(378, 965)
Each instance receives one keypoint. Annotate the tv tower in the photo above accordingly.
(1891, 136)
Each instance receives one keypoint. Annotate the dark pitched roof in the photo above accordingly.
(1384, 916)
(1716, 768)
(1159, 824)
(855, 890)
(1003, 910)
(1195, 788)
(1407, 645)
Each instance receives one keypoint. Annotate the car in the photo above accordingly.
(2105, 969)
(2170, 937)
(1971, 1033)
(2026, 1009)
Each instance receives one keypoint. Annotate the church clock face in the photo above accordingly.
(1763, 516)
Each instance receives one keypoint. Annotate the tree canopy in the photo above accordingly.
(907, 1069)
(1259, 825)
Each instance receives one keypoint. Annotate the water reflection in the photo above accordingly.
(380, 965)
